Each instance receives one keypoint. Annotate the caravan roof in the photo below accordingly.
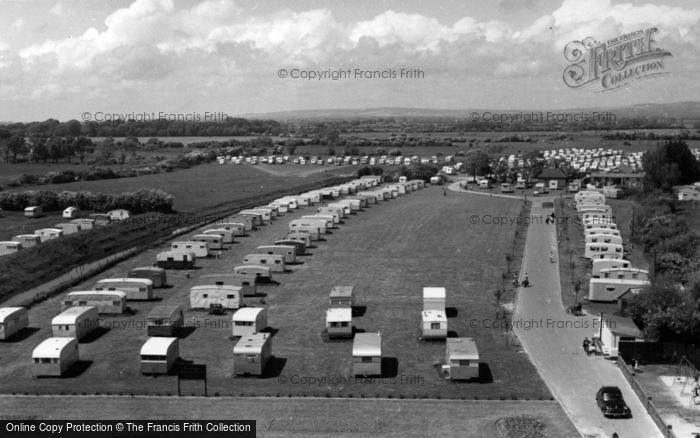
(339, 314)
(462, 348)
(7, 311)
(367, 344)
(434, 292)
(247, 313)
(51, 348)
(157, 346)
(251, 344)
(70, 315)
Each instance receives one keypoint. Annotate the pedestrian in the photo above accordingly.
(218, 255)
(636, 365)
(586, 343)
(444, 192)
(551, 257)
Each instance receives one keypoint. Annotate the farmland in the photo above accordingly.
(195, 188)
(388, 252)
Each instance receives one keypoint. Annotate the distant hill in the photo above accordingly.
(677, 110)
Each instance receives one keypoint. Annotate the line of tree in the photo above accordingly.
(669, 308)
(232, 126)
(141, 201)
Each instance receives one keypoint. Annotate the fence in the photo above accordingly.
(645, 398)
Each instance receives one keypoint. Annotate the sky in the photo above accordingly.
(82, 59)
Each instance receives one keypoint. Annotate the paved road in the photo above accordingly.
(556, 351)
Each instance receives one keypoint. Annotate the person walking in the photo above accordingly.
(551, 257)
(586, 344)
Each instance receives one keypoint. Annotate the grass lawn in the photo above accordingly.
(388, 252)
(199, 186)
(318, 417)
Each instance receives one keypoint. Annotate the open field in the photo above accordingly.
(388, 252)
(318, 417)
(200, 186)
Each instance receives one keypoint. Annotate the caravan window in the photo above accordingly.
(435, 325)
(610, 288)
(244, 323)
(82, 303)
(116, 303)
(205, 295)
(464, 362)
(230, 297)
(251, 357)
(219, 283)
(366, 359)
(68, 303)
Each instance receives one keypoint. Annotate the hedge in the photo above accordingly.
(136, 202)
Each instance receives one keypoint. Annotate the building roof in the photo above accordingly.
(251, 344)
(157, 346)
(10, 243)
(462, 349)
(49, 230)
(631, 282)
(52, 347)
(7, 311)
(434, 292)
(164, 311)
(97, 293)
(70, 315)
(342, 291)
(434, 315)
(247, 313)
(339, 314)
(148, 268)
(228, 288)
(621, 269)
(621, 171)
(621, 326)
(144, 281)
(256, 267)
(551, 173)
(367, 344)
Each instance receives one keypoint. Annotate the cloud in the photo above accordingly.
(152, 47)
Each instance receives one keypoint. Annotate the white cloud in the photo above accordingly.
(150, 46)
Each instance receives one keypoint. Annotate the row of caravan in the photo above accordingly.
(612, 275)
(74, 225)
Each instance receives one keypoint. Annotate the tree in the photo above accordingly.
(669, 164)
(73, 128)
(39, 150)
(55, 148)
(477, 163)
(82, 147)
(666, 312)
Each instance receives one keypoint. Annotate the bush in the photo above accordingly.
(136, 202)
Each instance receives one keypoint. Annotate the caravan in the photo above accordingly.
(603, 250)
(134, 288)
(274, 261)
(206, 296)
(200, 249)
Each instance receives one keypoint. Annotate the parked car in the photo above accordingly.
(611, 402)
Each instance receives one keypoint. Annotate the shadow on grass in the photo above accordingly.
(274, 367)
(485, 375)
(271, 330)
(390, 367)
(77, 369)
(359, 310)
(166, 286)
(452, 334)
(451, 312)
(94, 335)
(22, 334)
(184, 332)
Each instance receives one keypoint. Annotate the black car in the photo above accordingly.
(611, 402)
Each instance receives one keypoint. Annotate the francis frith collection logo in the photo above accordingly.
(616, 62)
